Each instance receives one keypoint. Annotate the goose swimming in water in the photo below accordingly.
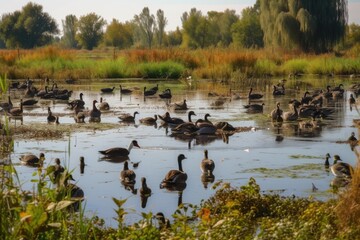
(118, 151)
(127, 176)
(174, 177)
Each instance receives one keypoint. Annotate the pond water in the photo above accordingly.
(287, 165)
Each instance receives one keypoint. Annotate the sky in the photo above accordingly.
(126, 10)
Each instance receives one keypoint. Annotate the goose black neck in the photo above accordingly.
(180, 164)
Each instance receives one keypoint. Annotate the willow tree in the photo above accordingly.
(306, 24)
(146, 25)
(161, 22)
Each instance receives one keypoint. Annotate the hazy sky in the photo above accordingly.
(125, 10)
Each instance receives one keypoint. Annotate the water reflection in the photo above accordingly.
(159, 144)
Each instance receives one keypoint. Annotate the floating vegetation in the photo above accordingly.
(297, 156)
(39, 131)
(296, 171)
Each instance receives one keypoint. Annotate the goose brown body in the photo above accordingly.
(118, 151)
(32, 160)
(207, 165)
(174, 177)
(126, 175)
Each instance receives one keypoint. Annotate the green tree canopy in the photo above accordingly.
(305, 24)
(119, 34)
(28, 28)
(70, 29)
(247, 31)
(90, 29)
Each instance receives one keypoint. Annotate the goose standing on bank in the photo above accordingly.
(207, 165)
(127, 176)
(175, 177)
(118, 151)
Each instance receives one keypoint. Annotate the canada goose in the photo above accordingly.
(103, 105)
(328, 93)
(144, 190)
(126, 175)
(186, 126)
(17, 111)
(339, 88)
(291, 115)
(79, 115)
(204, 122)
(341, 169)
(225, 126)
(277, 91)
(164, 223)
(41, 93)
(181, 106)
(156, 88)
(327, 163)
(50, 118)
(127, 117)
(174, 177)
(6, 105)
(254, 108)
(71, 190)
(352, 138)
(32, 160)
(275, 113)
(254, 95)
(30, 102)
(95, 113)
(207, 165)
(29, 93)
(149, 120)
(306, 99)
(165, 94)
(79, 103)
(149, 92)
(171, 120)
(352, 100)
(107, 90)
(125, 90)
(120, 152)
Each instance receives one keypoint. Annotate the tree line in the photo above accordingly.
(307, 25)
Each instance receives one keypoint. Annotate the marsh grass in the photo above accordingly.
(212, 63)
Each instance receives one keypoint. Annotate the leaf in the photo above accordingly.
(118, 202)
(59, 206)
(218, 223)
(55, 225)
(24, 216)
